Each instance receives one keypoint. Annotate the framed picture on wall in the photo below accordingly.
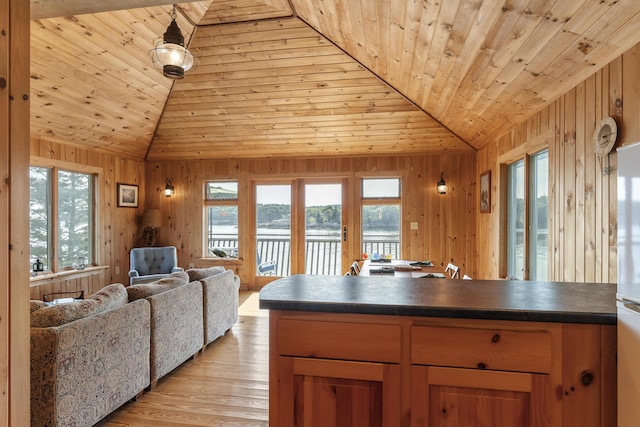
(127, 196)
(485, 192)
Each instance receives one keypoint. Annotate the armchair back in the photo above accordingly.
(152, 261)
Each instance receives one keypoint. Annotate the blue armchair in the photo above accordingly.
(152, 263)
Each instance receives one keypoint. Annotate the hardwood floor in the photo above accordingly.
(227, 385)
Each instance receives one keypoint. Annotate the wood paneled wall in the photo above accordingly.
(446, 223)
(583, 195)
(117, 228)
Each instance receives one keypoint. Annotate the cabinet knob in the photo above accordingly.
(482, 365)
(495, 338)
(586, 378)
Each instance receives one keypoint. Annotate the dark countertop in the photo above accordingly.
(592, 303)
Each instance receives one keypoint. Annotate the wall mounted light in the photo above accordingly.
(442, 186)
(170, 55)
(169, 189)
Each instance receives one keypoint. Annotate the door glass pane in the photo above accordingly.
(538, 214)
(273, 230)
(75, 222)
(323, 229)
(39, 214)
(515, 220)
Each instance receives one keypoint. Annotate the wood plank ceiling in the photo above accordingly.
(308, 78)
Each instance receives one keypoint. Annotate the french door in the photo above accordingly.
(299, 227)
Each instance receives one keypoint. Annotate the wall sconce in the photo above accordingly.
(169, 189)
(151, 221)
(442, 186)
(170, 55)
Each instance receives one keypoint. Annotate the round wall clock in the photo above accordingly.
(604, 137)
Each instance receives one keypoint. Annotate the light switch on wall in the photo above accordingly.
(414, 225)
(117, 269)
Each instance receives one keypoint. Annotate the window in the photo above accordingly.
(221, 218)
(61, 217)
(381, 217)
(527, 217)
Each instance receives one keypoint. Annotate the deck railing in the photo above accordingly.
(323, 253)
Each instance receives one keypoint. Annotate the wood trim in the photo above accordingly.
(14, 196)
(61, 164)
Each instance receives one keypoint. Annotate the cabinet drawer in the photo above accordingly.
(504, 350)
(371, 342)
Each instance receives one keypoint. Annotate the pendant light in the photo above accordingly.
(170, 55)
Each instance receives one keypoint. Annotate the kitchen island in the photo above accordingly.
(384, 351)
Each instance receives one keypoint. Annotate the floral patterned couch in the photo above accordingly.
(220, 300)
(91, 356)
(88, 357)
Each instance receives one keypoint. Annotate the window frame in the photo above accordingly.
(55, 166)
(382, 200)
(526, 154)
(234, 202)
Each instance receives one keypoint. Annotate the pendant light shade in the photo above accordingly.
(170, 55)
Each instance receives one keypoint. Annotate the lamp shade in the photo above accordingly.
(170, 55)
(152, 218)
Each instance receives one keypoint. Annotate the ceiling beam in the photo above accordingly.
(41, 9)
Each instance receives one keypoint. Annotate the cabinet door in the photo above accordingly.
(333, 393)
(450, 397)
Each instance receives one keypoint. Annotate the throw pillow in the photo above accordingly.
(107, 298)
(202, 273)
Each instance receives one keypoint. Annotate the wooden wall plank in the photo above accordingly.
(569, 194)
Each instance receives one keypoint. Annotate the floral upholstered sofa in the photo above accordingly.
(220, 300)
(88, 357)
(176, 321)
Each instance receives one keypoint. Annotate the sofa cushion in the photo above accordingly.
(35, 305)
(107, 298)
(196, 274)
(144, 290)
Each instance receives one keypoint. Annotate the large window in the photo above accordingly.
(381, 217)
(61, 217)
(221, 218)
(527, 217)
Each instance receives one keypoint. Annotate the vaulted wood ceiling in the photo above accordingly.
(307, 78)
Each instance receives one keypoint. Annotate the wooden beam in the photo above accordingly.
(41, 9)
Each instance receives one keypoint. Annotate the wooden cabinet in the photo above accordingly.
(333, 393)
(450, 397)
(335, 372)
(481, 376)
(371, 370)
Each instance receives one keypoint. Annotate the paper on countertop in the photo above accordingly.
(417, 275)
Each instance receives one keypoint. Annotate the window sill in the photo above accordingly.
(208, 262)
(42, 277)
